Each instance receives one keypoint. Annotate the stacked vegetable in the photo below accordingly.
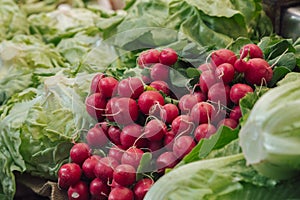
(146, 126)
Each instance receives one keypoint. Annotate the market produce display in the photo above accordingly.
(113, 104)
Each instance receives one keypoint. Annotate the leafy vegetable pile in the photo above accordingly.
(50, 52)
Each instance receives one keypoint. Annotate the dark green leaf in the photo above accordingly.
(278, 73)
(144, 165)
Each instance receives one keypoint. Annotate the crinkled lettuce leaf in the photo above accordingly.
(38, 126)
(12, 19)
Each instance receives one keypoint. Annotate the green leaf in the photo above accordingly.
(177, 79)
(192, 72)
(144, 165)
(278, 73)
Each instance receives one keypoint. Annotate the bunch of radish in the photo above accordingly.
(144, 115)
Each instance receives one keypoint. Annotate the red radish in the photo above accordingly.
(130, 87)
(204, 131)
(258, 72)
(79, 191)
(125, 111)
(132, 156)
(142, 187)
(95, 105)
(231, 123)
(219, 93)
(116, 152)
(79, 152)
(186, 103)
(148, 99)
(159, 72)
(107, 86)
(108, 108)
(68, 174)
(225, 72)
(169, 140)
(206, 66)
(95, 81)
(166, 160)
(105, 167)
(96, 137)
(114, 133)
(114, 184)
(155, 130)
(202, 112)
(124, 175)
(235, 113)
(88, 166)
(147, 58)
(161, 86)
(169, 112)
(183, 145)
(182, 125)
(200, 96)
(168, 56)
(221, 56)
(132, 135)
(121, 193)
(238, 91)
(240, 65)
(104, 125)
(251, 51)
(99, 189)
(207, 79)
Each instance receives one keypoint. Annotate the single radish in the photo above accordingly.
(206, 80)
(95, 105)
(95, 81)
(105, 167)
(235, 113)
(147, 58)
(79, 191)
(121, 193)
(79, 152)
(96, 137)
(200, 96)
(241, 65)
(204, 131)
(148, 99)
(146, 79)
(221, 56)
(231, 123)
(132, 156)
(182, 125)
(68, 174)
(219, 93)
(161, 86)
(225, 72)
(116, 152)
(142, 187)
(88, 166)
(99, 189)
(183, 145)
(155, 147)
(125, 111)
(159, 72)
(114, 133)
(132, 135)
(168, 113)
(130, 87)
(202, 112)
(124, 175)
(166, 160)
(251, 51)
(108, 86)
(168, 56)
(155, 130)
(238, 91)
(258, 72)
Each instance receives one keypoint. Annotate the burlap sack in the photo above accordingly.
(36, 188)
